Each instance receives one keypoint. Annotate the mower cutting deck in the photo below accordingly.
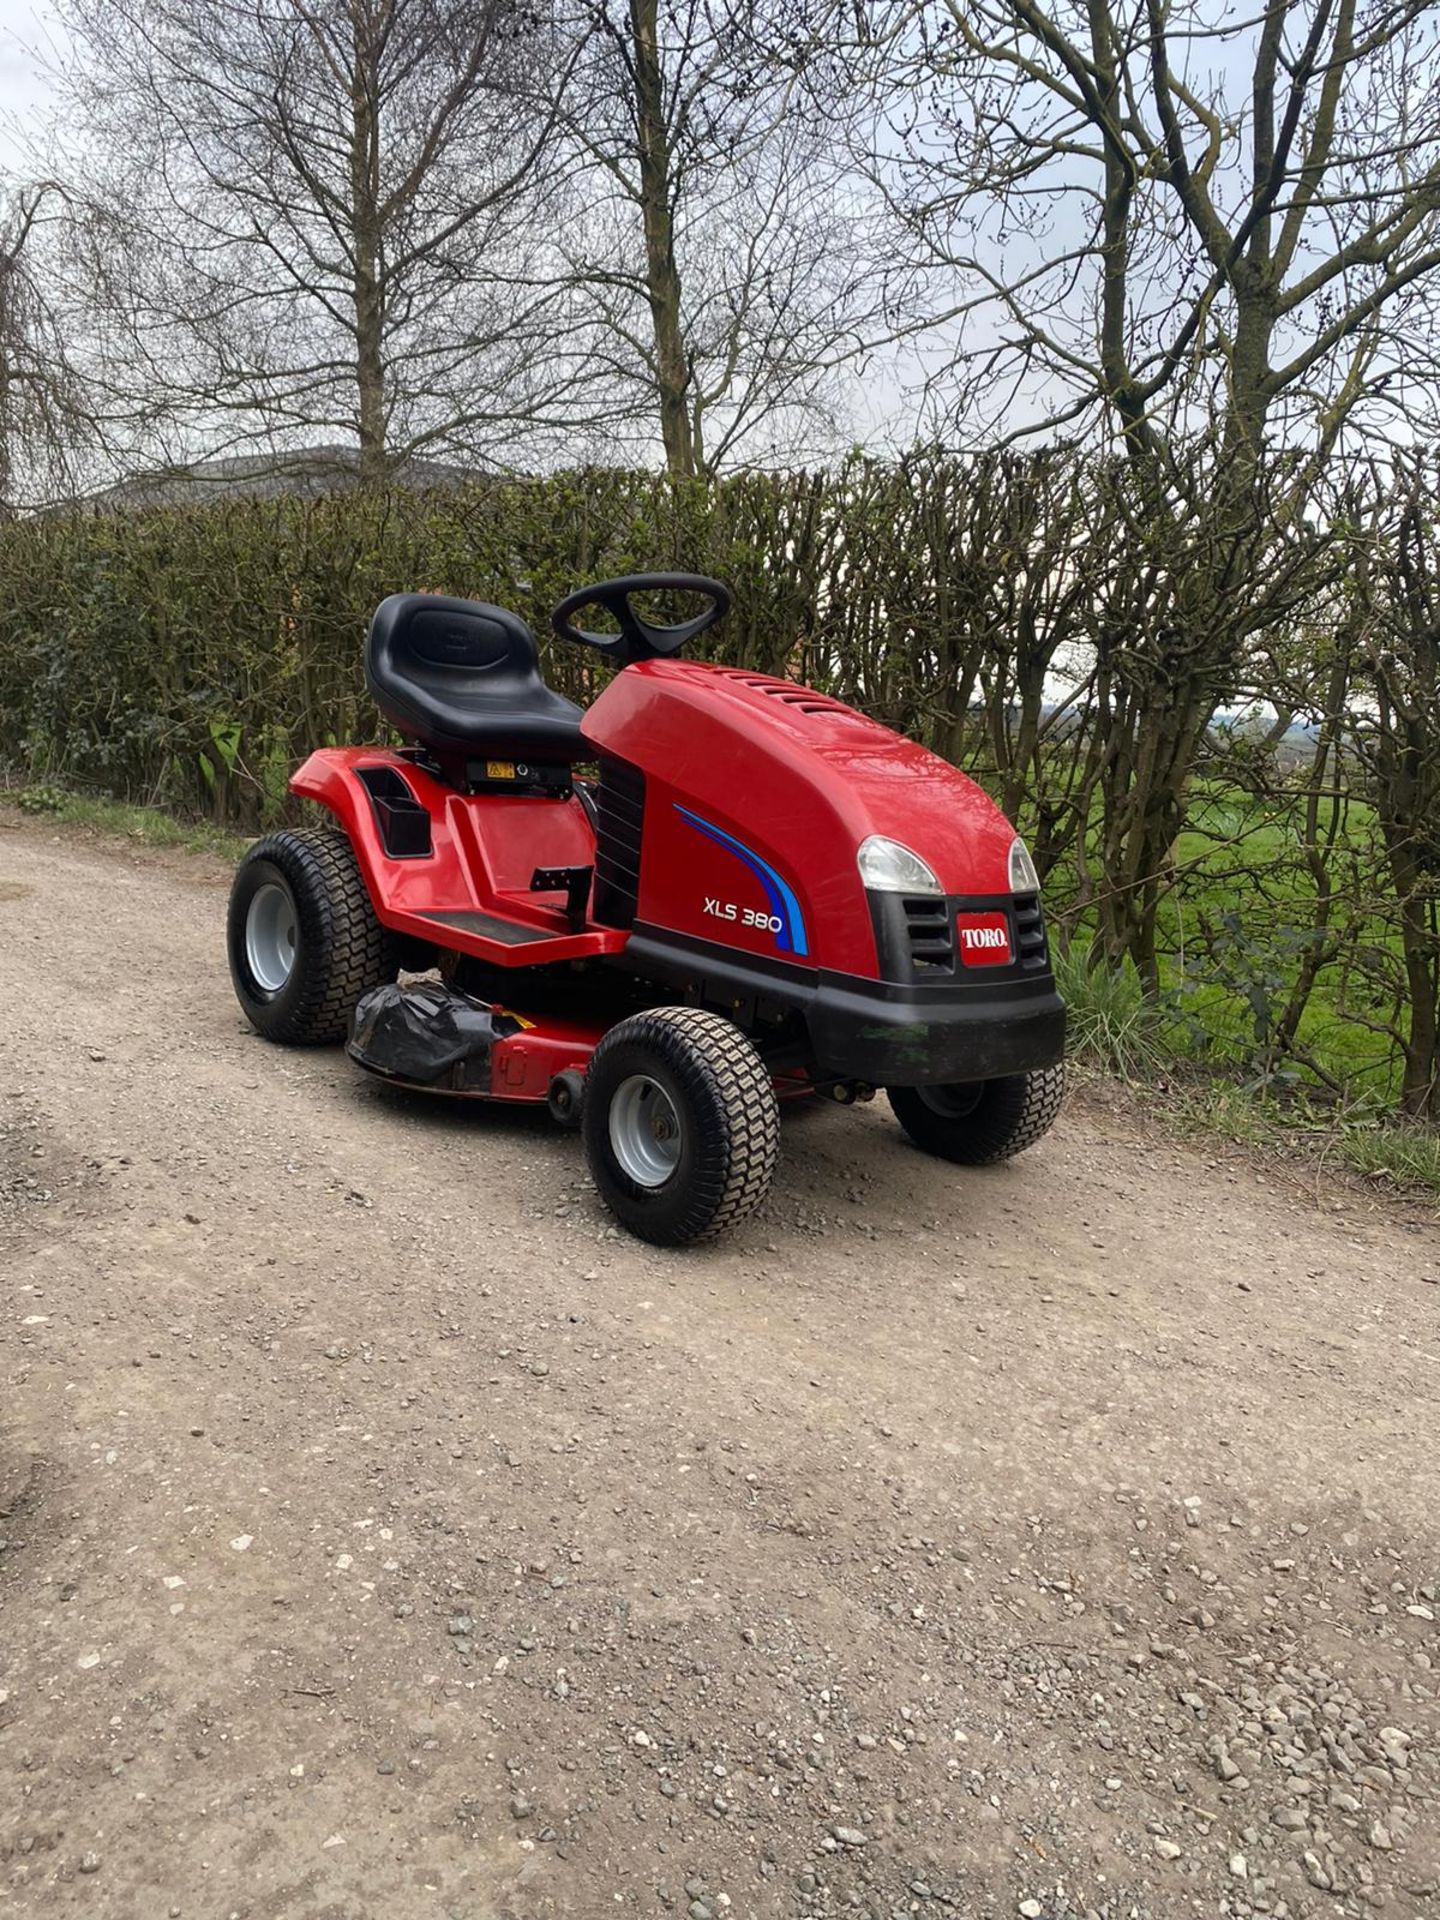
(759, 893)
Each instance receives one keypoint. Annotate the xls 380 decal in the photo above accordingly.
(784, 920)
(743, 916)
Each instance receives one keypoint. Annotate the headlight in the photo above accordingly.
(1023, 877)
(887, 867)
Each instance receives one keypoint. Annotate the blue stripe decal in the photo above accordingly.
(783, 904)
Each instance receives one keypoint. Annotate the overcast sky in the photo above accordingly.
(24, 29)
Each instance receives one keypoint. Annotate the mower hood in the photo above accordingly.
(783, 752)
(734, 807)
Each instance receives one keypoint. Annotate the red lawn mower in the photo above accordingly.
(761, 894)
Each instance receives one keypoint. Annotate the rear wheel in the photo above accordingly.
(681, 1126)
(984, 1121)
(303, 940)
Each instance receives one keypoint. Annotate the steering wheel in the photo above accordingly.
(637, 638)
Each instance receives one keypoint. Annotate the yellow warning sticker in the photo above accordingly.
(499, 769)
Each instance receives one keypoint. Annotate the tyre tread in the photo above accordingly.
(1019, 1110)
(721, 1066)
(354, 952)
(1044, 1092)
(745, 1088)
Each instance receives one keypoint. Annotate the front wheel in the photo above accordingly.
(303, 939)
(982, 1122)
(681, 1125)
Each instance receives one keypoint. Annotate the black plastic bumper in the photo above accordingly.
(888, 1034)
(933, 1037)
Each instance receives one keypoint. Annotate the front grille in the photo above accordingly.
(619, 816)
(916, 939)
(1029, 931)
(928, 928)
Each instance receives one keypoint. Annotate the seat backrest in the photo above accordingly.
(463, 680)
(424, 643)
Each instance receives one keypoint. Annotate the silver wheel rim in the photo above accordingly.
(645, 1131)
(272, 934)
(952, 1103)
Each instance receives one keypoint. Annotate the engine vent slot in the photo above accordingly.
(803, 699)
(1030, 949)
(619, 820)
(927, 925)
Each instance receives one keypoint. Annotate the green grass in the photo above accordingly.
(1220, 1107)
(1401, 1156)
(1238, 858)
(1389, 1153)
(148, 825)
(1241, 857)
(1118, 1032)
(1111, 1025)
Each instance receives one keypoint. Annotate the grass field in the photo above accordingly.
(1239, 926)
(150, 826)
(1235, 930)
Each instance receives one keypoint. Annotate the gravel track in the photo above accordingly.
(386, 1536)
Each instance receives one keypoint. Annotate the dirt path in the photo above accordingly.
(385, 1536)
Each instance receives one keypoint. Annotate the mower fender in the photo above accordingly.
(401, 887)
(456, 869)
(327, 778)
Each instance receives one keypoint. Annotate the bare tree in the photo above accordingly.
(325, 218)
(44, 418)
(721, 243)
(1193, 233)
(1168, 213)
(1394, 725)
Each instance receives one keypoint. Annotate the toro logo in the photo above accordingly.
(984, 939)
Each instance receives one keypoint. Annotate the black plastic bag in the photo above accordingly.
(425, 1032)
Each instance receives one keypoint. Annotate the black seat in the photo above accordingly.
(463, 679)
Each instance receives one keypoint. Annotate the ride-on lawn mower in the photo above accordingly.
(761, 895)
